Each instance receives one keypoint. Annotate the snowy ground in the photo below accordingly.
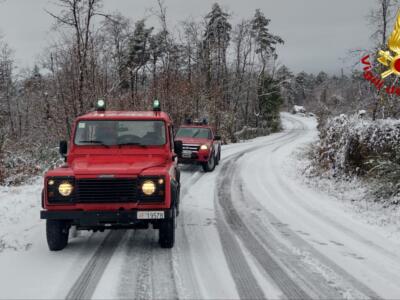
(250, 229)
(354, 195)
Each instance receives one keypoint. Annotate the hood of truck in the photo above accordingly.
(194, 141)
(115, 165)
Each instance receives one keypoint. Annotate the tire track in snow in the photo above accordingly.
(86, 283)
(147, 272)
(235, 255)
(182, 260)
(136, 279)
(334, 223)
(246, 283)
(259, 145)
(359, 286)
(159, 280)
(255, 221)
(348, 282)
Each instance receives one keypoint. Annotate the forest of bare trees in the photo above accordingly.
(212, 68)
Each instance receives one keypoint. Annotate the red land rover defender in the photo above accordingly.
(200, 145)
(120, 172)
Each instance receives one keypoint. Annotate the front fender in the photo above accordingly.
(175, 191)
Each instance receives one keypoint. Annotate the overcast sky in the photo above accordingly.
(318, 33)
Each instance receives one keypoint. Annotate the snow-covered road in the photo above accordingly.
(247, 230)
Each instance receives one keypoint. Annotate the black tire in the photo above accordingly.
(209, 166)
(167, 232)
(178, 200)
(57, 234)
(178, 175)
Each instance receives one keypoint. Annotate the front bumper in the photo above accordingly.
(93, 219)
(195, 157)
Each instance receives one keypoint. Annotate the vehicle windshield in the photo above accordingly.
(120, 133)
(194, 132)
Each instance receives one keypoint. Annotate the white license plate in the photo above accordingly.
(186, 154)
(150, 215)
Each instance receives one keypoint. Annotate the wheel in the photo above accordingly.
(57, 234)
(167, 232)
(209, 166)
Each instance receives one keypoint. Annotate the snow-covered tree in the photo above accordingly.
(285, 79)
(270, 101)
(215, 44)
(265, 41)
(138, 54)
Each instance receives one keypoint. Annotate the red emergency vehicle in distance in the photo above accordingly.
(200, 144)
(120, 172)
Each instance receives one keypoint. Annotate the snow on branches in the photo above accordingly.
(354, 145)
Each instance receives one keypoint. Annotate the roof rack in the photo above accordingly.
(189, 121)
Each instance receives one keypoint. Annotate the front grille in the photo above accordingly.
(188, 147)
(106, 190)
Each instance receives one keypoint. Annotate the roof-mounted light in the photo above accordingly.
(101, 105)
(204, 121)
(156, 105)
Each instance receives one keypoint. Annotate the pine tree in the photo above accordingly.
(138, 54)
(265, 41)
(216, 40)
(321, 77)
(270, 101)
(285, 80)
(215, 44)
(304, 84)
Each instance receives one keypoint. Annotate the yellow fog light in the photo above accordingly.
(148, 188)
(203, 147)
(65, 189)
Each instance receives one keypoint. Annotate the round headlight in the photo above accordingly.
(148, 187)
(203, 147)
(65, 189)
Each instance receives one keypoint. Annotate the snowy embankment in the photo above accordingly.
(27, 269)
(354, 163)
(19, 211)
(353, 194)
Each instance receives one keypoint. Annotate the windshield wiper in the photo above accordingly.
(95, 142)
(132, 144)
(196, 134)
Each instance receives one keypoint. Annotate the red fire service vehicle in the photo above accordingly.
(200, 145)
(120, 172)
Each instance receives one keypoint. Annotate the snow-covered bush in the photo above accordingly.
(22, 162)
(356, 146)
(297, 109)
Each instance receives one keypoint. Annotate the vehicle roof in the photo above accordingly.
(197, 126)
(125, 115)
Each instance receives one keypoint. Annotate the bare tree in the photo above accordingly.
(381, 18)
(78, 15)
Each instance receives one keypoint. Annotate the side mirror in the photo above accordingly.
(217, 138)
(178, 146)
(63, 148)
